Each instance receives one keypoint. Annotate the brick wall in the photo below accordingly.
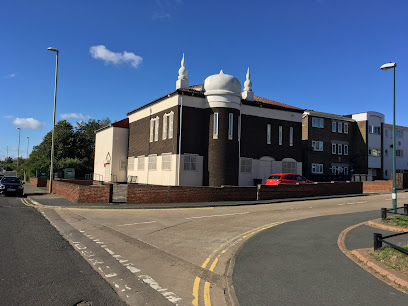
(141, 194)
(307, 190)
(379, 185)
(38, 182)
(94, 194)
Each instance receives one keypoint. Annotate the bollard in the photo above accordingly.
(383, 213)
(377, 241)
(406, 209)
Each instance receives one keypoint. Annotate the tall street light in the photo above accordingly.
(394, 192)
(25, 171)
(53, 124)
(18, 148)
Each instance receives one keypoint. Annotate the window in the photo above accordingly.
(291, 136)
(374, 129)
(246, 165)
(166, 161)
(374, 152)
(268, 134)
(317, 168)
(151, 129)
(317, 145)
(131, 163)
(190, 162)
(386, 152)
(318, 122)
(345, 170)
(399, 153)
(399, 134)
(289, 167)
(334, 148)
(140, 163)
(215, 127)
(122, 165)
(333, 170)
(339, 149)
(230, 125)
(280, 135)
(345, 149)
(171, 119)
(156, 129)
(334, 126)
(164, 126)
(345, 128)
(340, 127)
(152, 162)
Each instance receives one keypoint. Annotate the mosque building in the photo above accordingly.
(205, 135)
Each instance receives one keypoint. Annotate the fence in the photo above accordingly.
(379, 239)
(94, 177)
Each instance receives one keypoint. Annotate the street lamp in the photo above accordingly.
(18, 148)
(394, 192)
(25, 171)
(53, 124)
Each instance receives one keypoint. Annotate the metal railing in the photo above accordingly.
(114, 178)
(132, 179)
(94, 177)
(386, 211)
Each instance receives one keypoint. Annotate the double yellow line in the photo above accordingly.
(26, 203)
(216, 258)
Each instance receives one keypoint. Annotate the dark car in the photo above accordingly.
(11, 185)
(286, 178)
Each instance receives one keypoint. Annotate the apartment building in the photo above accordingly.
(401, 150)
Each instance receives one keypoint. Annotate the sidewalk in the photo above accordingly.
(41, 196)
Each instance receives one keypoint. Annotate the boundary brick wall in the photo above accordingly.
(38, 182)
(266, 192)
(379, 185)
(143, 194)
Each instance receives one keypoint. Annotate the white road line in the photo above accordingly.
(361, 202)
(136, 223)
(211, 216)
(341, 204)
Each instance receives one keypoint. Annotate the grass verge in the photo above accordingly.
(392, 258)
(397, 221)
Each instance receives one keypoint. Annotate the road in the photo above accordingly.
(182, 256)
(39, 267)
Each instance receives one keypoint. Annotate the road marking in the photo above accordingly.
(136, 223)
(207, 285)
(211, 216)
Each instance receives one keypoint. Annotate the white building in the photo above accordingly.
(401, 147)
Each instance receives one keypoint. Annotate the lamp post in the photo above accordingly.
(18, 148)
(53, 122)
(394, 192)
(25, 171)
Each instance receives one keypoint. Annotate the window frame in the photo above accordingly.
(291, 137)
(246, 165)
(319, 168)
(141, 163)
(280, 135)
(334, 148)
(345, 149)
(320, 122)
(339, 149)
(166, 162)
(334, 126)
(215, 126)
(319, 147)
(346, 128)
(340, 127)
(188, 161)
(268, 133)
(152, 161)
(230, 126)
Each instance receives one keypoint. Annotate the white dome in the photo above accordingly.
(222, 84)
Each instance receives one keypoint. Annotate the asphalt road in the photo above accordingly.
(39, 267)
(299, 263)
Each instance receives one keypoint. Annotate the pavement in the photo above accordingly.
(353, 237)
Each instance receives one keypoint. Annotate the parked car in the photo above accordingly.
(11, 185)
(286, 178)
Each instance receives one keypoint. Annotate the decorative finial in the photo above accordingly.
(182, 81)
(221, 72)
(248, 83)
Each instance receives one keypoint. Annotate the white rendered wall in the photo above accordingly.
(401, 162)
(119, 152)
(103, 146)
(168, 177)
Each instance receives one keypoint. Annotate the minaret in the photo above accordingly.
(182, 81)
(248, 94)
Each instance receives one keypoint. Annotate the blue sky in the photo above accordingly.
(317, 54)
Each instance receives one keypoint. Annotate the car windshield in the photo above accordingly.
(10, 180)
(274, 177)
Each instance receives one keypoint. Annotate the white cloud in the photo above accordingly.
(10, 76)
(100, 52)
(28, 123)
(75, 116)
(9, 117)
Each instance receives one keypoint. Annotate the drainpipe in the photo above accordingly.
(150, 122)
(179, 150)
(239, 145)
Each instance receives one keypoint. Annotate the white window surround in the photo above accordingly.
(122, 165)
(164, 126)
(140, 163)
(317, 145)
(291, 136)
(171, 120)
(334, 124)
(268, 133)
(339, 149)
(156, 128)
(317, 168)
(345, 149)
(246, 165)
(280, 135)
(334, 148)
(190, 162)
(151, 129)
(131, 163)
(230, 125)
(289, 167)
(215, 126)
(346, 128)
(340, 127)
(152, 162)
(166, 161)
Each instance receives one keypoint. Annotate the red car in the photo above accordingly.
(286, 178)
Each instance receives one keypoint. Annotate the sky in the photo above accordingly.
(115, 56)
